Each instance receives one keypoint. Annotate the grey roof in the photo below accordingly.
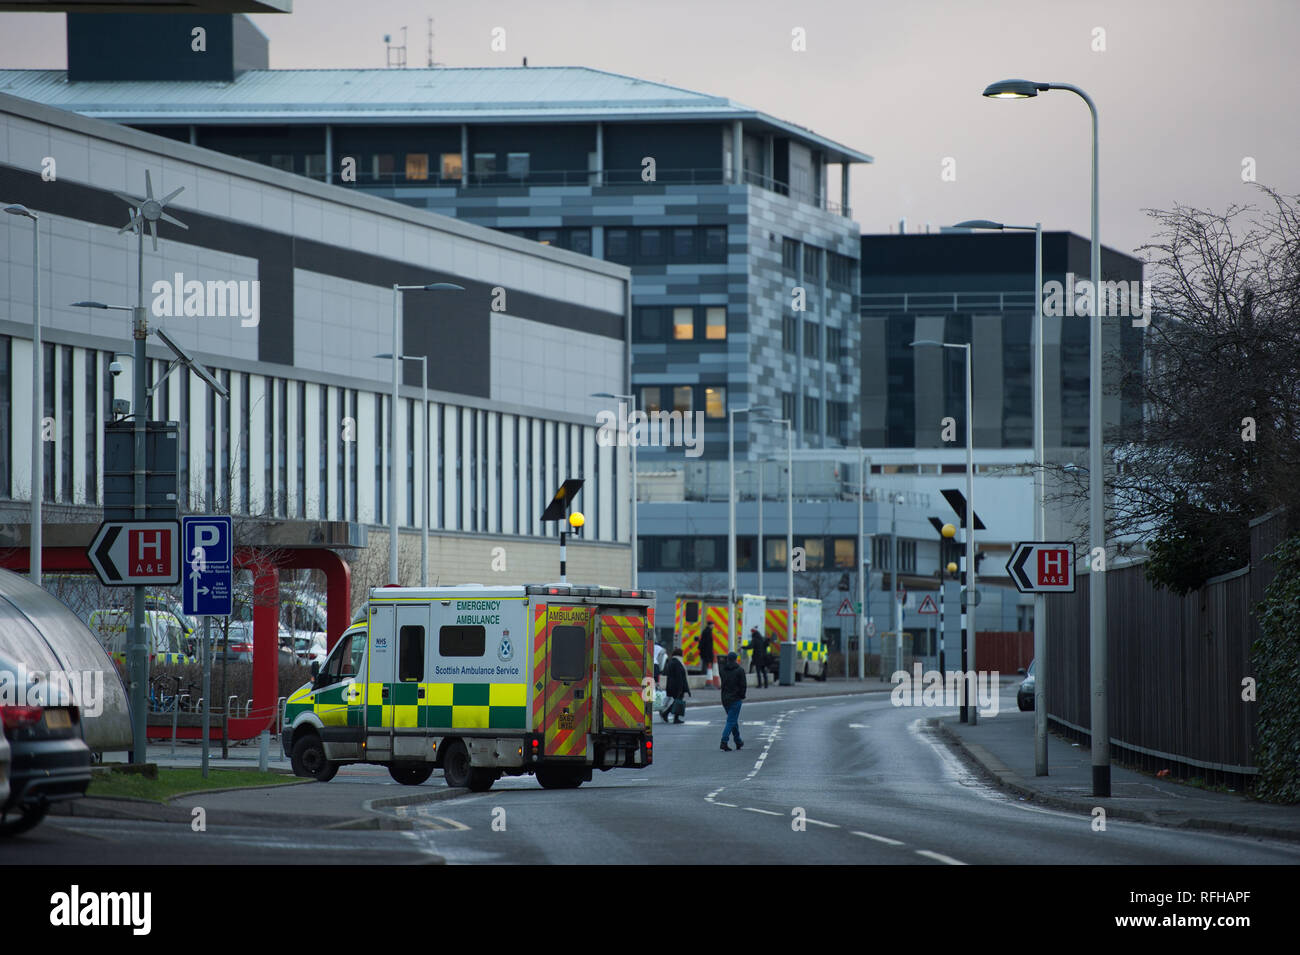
(460, 95)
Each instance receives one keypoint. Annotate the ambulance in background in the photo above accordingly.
(691, 612)
(553, 680)
(810, 650)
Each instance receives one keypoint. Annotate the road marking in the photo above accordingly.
(766, 812)
(938, 857)
(729, 805)
(818, 822)
(859, 726)
(868, 835)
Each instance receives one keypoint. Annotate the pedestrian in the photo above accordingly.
(677, 687)
(706, 651)
(733, 694)
(758, 654)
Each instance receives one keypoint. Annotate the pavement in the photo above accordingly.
(1003, 749)
(1000, 749)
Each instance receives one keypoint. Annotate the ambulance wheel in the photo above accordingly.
(559, 778)
(821, 677)
(410, 774)
(456, 769)
(309, 760)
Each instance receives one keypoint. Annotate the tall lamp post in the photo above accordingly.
(631, 439)
(971, 595)
(1040, 506)
(789, 526)
(1100, 716)
(392, 417)
(864, 462)
(38, 388)
(424, 385)
(732, 642)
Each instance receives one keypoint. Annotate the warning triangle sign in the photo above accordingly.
(927, 605)
(846, 609)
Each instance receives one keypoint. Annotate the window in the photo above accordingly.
(90, 424)
(341, 663)
(834, 344)
(467, 641)
(485, 165)
(66, 421)
(616, 245)
(452, 166)
(683, 244)
(302, 447)
(811, 340)
(651, 245)
(692, 611)
(410, 654)
(683, 324)
(715, 322)
(682, 398)
(715, 244)
(47, 449)
(715, 402)
(790, 255)
(670, 558)
(282, 162)
(789, 332)
(580, 241)
(417, 166)
(517, 165)
(706, 553)
(812, 420)
(282, 451)
(315, 166)
(568, 653)
(840, 270)
(548, 236)
(650, 324)
(651, 399)
(814, 552)
(837, 418)
(843, 549)
(812, 262)
(774, 553)
(384, 166)
(787, 405)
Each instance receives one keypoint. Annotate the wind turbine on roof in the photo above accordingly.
(149, 210)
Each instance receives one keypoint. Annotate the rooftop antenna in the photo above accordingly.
(396, 54)
(432, 63)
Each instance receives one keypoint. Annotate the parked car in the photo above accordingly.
(4, 768)
(48, 758)
(240, 647)
(1025, 695)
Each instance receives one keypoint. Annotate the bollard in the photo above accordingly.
(176, 710)
(263, 750)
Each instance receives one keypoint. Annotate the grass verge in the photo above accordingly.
(171, 782)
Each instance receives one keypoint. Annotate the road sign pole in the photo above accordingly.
(139, 656)
(207, 691)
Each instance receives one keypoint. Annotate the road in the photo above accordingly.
(851, 780)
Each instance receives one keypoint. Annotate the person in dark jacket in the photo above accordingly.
(734, 685)
(677, 689)
(706, 650)
(758, 655)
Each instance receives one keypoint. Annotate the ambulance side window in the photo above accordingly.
(470, 641)
(339, 664)
(410, 654)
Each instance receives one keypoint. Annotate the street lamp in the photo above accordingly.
(1040, 507)
(789, 529)
(38, 387)
(733, 643)
(631, 439)
(392, 418)
(970, 508)
(1099, 726)
(424, 385)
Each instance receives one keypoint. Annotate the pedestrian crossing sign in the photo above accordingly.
(927, 605)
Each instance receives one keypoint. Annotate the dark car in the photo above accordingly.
(49, 759)
(1025, 695)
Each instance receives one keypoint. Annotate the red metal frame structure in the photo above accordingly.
(266, 564)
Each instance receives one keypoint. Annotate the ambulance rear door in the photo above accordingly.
(564, 671)
(624, 663)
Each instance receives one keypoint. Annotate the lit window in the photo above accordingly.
(417, 166)
(715, 322)
(452, 167)
(684, 323)
(814, 550)
(715, 402)
(651, 400)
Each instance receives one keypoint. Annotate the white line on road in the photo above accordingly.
(939, 857)
(766, 812)
(729, 805)
(818, 822)
(869, 835)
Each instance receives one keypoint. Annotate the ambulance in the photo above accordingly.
(691, 612)
(552, 680)
(810, 650)
(165, 635)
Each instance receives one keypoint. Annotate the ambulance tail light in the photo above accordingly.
(18, 717)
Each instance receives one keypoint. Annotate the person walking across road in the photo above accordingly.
(706, 652)
(758, 654)
(734, 684)
(677, 687)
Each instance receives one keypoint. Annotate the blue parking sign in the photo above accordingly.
(207, 565)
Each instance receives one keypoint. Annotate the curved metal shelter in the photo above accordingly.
(46, 637)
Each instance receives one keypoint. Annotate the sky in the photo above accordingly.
(1187, 90)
